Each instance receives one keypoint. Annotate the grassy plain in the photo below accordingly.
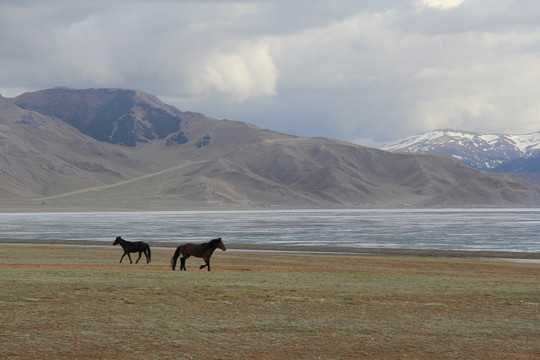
(59, 302)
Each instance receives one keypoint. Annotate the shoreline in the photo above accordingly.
(322, 250)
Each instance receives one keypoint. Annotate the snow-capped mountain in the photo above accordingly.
(491, 152)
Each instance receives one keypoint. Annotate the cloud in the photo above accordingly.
(245, 73)
(471, 97)
(482, 82)
(119, 46)
(345, 69)
(441, 4)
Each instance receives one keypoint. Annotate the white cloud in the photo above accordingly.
(349, 51)
(179, 48)
(345, 69)
(492, 86)
(245, 73)
(441, 4)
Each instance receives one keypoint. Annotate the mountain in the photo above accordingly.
(40, 155)
(124, 117)
(125, 149)
(490, 152)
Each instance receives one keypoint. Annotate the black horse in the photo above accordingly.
(133, 247)
(204, 251)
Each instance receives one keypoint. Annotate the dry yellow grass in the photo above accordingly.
(78, 302)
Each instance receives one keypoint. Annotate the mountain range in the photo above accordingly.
(501, 153)
(125, 149)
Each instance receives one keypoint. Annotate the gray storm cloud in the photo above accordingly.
(363, 71)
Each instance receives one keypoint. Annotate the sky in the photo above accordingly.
(364, 71)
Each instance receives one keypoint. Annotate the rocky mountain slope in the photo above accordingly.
(481, 151)
(126, 117)
(115, 148)
(40, 155)
(517, 154)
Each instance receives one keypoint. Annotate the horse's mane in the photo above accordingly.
(211, 243)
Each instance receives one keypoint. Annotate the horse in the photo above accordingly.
(204, 251)
(133, 247)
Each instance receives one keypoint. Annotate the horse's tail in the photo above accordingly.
(174, 259)
(149, 253)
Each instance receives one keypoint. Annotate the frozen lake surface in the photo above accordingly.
(445, 229)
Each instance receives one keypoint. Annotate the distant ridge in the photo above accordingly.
(491, 152)
(125, 149)
(117, 116)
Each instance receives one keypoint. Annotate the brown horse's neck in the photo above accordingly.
(212, 245)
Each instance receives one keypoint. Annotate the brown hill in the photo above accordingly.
(40, 156)
(214, 163)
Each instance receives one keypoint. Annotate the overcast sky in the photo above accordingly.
(366, 71)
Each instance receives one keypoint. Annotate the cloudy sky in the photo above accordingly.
(366, 71)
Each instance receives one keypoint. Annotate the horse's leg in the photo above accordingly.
(140, 253)
(147, 254)
(183, 261)
(207, 264)
(126, 253)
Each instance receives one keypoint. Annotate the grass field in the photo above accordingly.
(79, 303)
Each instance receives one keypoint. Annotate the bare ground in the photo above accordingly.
(79, 303)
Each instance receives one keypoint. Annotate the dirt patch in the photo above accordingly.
(71, 302)
(327, 250)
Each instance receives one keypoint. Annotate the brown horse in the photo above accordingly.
(204, 251)
(133, 247)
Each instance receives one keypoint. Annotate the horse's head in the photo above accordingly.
(117, 240)
(221, 245)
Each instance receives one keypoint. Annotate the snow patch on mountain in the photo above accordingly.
(482, 151)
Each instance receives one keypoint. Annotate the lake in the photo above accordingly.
(444, 229)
